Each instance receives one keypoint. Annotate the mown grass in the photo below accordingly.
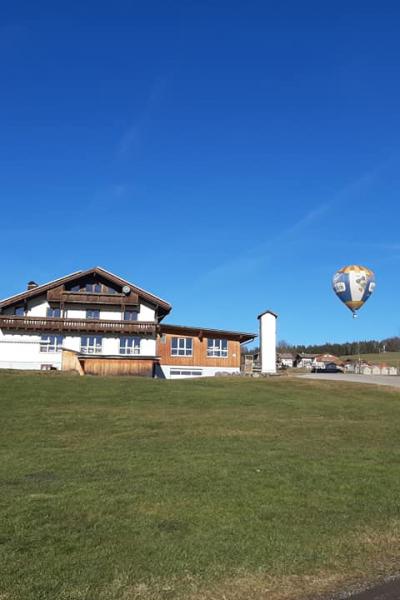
(390, 358)
(138, 489)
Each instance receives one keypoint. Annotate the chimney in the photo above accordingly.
(268, 341)
(32, 285)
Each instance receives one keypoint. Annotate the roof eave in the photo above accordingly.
(37, 291)
(240, 336)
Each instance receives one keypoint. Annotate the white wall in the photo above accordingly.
(268, 342)
(35, 308)
(164, 371)
(146, 313)
(75, 313)
(110, 344)
(148, 347)
(38, 307)
(111, 314)
(23, 352)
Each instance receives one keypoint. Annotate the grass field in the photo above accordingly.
(219, 489)
(391, 358)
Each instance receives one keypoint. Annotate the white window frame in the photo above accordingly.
(92, 346)
(174, 372)
(184, 346)
(217, 348)
(129, 345)
(51, 343)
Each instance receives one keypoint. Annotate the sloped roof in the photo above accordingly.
(40, 289)
(329, 358)
(239, 336)
(268, 311)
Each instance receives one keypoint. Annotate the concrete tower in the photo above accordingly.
(268, 341)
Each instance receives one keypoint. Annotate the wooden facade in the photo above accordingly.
(59, 292)
(60, 296)
(199, 354)
(70, 362)
(139, 366)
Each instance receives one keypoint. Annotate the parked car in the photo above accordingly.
(329, 368)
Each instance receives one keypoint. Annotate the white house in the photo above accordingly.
(304, 360)
(285, 359)
(96, 322)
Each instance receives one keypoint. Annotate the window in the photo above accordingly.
(129, 345)
(130, 315)
(181, 346)
(185, 373)
(75, 288)
(51, 343)
(53, 312)
(93, 313)
(91, 344)
(19, 311)
(93, 288)
(217, 348)
(111, 290)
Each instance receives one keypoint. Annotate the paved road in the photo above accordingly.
(392, 380)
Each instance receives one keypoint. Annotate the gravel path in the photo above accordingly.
(392, 380)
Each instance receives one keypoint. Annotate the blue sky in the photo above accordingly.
(227, 156)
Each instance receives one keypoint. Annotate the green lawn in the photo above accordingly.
(391, 358)
(119, 488)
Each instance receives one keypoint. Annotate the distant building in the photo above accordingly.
(327, 362)
(350, 366)
(366, 368)
(285, 359)
(388, 370)
(304, 360)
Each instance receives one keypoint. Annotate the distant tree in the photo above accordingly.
(345, 349)
(283, 346)
(247, 350)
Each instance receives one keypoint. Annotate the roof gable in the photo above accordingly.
(96, 272)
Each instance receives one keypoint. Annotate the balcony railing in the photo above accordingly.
(58, 295)
(49, 324)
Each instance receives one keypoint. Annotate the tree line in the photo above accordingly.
(391, 344)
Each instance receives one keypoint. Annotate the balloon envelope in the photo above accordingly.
(353, 285)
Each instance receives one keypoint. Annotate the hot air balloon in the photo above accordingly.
(353, 285)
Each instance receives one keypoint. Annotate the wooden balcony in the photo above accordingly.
(64, 325)
(59, 295)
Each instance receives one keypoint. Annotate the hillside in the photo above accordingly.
(391, 358)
